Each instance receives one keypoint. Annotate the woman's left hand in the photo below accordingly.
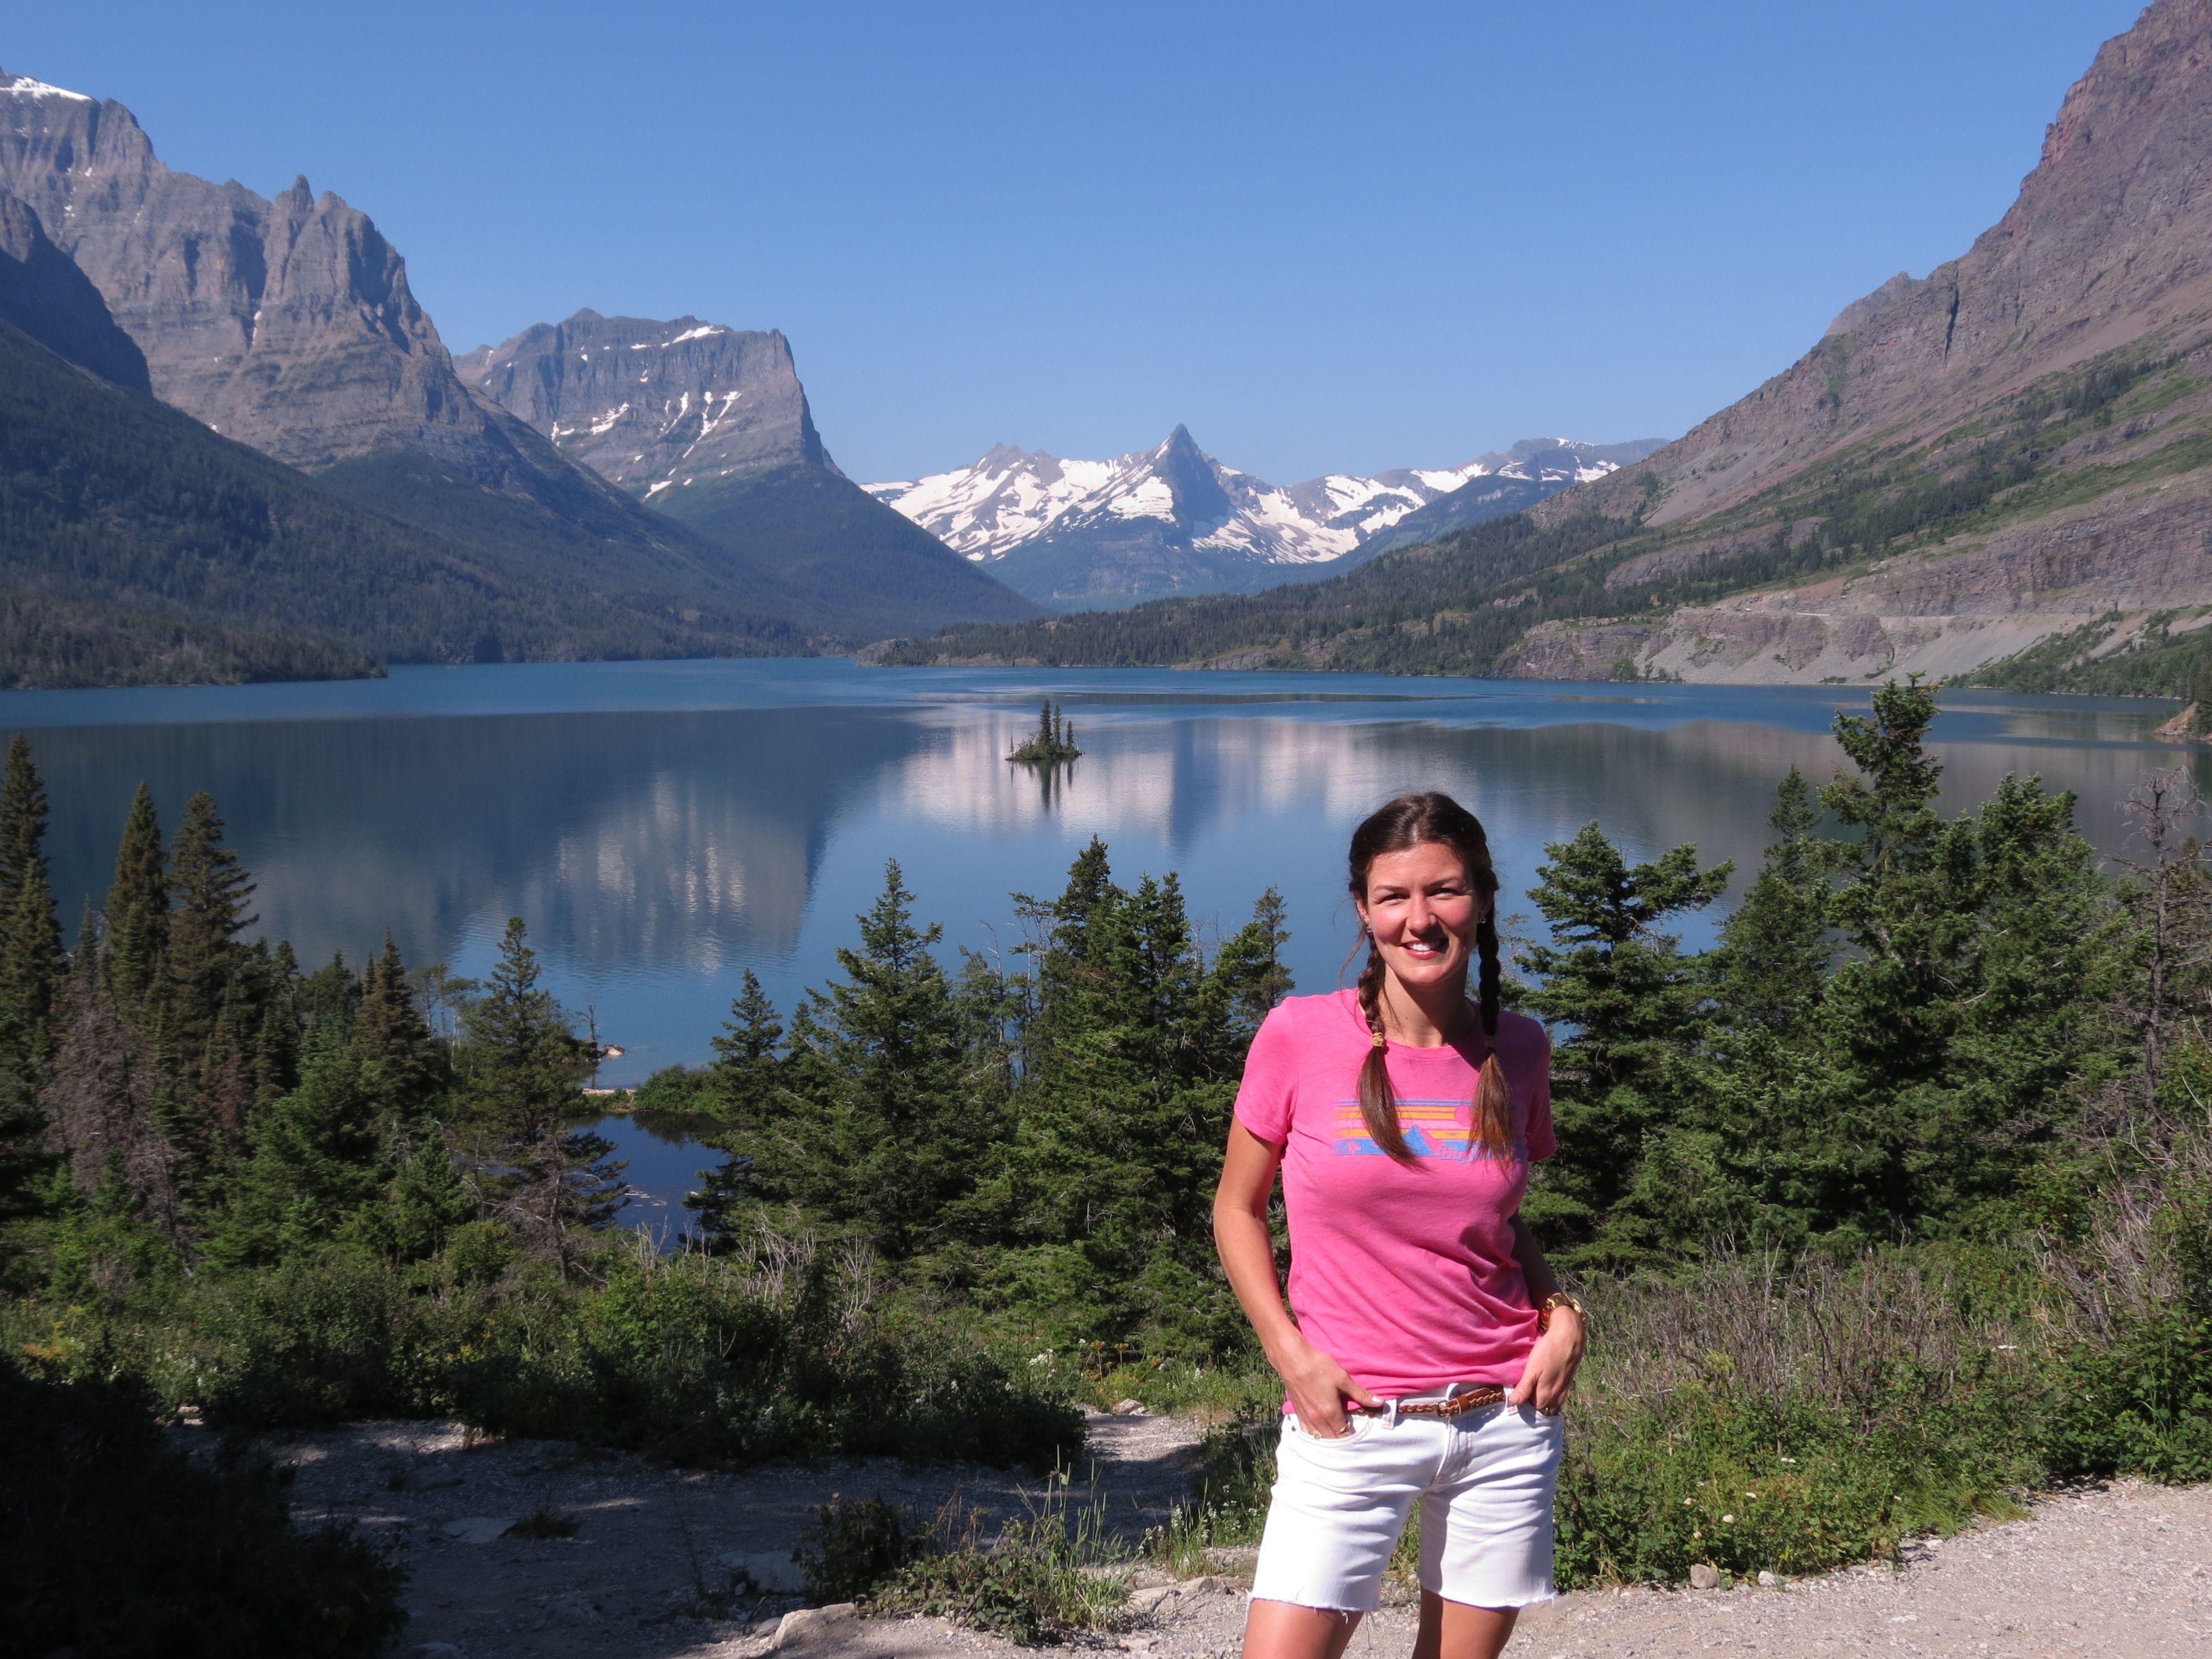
(1550, 1372)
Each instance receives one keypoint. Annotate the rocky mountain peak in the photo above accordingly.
(653, 405)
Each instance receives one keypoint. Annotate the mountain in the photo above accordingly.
(2000, 471)
(142, 547)
(652, 405)
(44, 294)
(288, 324)
(711, 426)
(1532, 471)
(1996, 470)
(1100, 534)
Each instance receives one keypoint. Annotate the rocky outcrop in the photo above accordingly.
(654, 405)
(285, 322)
(43, 293)
(2111, 563)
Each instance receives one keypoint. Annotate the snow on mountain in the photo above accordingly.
(1012, 496)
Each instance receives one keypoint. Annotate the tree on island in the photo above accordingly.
(1054, 744)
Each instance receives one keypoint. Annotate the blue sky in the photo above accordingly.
(1325, 237)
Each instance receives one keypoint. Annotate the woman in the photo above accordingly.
(1428, 1349)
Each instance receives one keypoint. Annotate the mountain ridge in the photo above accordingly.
(1102, 534)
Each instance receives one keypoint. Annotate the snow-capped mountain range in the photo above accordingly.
(1172, 519)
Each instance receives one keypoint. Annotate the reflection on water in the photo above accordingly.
(662, 827)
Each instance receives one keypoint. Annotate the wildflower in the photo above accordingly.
(1751, 1494)
(1790, 1460)
(1686, 1502)
(1727, 1520)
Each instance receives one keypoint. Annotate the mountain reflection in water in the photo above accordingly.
(662, 827)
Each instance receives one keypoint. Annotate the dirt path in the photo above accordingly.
(2121, 1572)
(648, 1573)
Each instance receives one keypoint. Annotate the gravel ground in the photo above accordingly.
(2123, 1571)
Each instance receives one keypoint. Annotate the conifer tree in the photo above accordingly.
(31, 959)
(138, 934)
(314, 1165)
(745, 1059)
(880, 1136)
(1635, 1005)
(204, 955)
(407, 1065)
(547, 1182)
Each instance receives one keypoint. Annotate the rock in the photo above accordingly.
(1129, 1408)
(436, 1648)
(771, 1571)
(1212, 1583)
(626, 395)
(810, 1621)
(2180, 728)
(1704, 1576)
(1145, 1602)
(480, 1529)
(1767, 1580)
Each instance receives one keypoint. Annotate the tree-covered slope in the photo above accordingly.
(116, 509)
(862, 571)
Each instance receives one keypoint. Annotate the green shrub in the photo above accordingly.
(1041, 1580)
(850, 1546)
(688, 1359)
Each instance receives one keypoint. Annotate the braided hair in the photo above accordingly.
(1414, 821)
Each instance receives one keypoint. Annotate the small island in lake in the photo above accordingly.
(1053, 744)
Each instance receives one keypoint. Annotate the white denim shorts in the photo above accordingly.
(1484, 1479)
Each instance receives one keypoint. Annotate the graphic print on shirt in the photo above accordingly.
(1432, 1128)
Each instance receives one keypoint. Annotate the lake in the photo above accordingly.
(661, 827)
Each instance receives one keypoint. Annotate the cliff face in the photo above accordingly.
(43, 293)
(286, 323)
(2093, 293)
(2107, 243)
(652, 405)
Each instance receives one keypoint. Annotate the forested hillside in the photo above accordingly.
(140, 544)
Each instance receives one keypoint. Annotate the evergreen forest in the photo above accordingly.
(1892, 1206)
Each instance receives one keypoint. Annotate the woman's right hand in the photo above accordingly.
(1318, 1388)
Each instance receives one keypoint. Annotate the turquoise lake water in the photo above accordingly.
(661, 827)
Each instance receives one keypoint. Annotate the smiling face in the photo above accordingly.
(1422, 912)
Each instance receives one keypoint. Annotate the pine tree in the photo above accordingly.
(745, 1061)
(204, 956)
(138, 934)
(315, 1164)
(1634, 1004)
(31, 959)
(406, 1064)
(548, 1183)
(1775, 954)
(880, 1136)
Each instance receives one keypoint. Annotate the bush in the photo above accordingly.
(1041, 1580)
(691, 1358)
(851, 1546)
(115, 1544)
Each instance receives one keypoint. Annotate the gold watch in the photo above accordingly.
(1560, 1299)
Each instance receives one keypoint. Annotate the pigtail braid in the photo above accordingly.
(1493, 1104)
(1378, 1103)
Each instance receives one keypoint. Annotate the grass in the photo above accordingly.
(1039, 1579)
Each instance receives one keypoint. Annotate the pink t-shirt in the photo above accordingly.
(1404, 1274)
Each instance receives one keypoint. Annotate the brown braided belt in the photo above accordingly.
(1472, 1400)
